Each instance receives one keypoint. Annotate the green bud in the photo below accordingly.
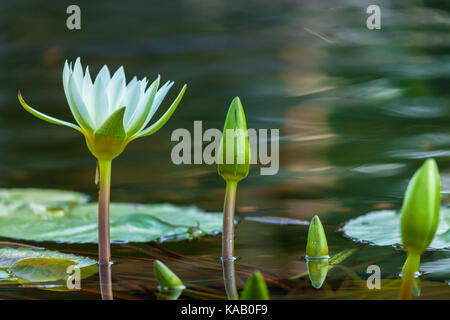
(166, 278)
(316, 247)
(255, 288)
(420, 209)
(317, 271)
(234, 151)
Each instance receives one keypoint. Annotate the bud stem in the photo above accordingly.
(410, 268)
(228, 241)
(104, 251)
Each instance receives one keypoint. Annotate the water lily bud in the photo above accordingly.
(317, 271)
(316, 247)
(234, 151)
(166, 278)
(255, 288)
(420, 209)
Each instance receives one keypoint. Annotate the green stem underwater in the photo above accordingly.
(228, 241)
(104, 251)
(409, 269)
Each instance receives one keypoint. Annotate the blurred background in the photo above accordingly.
(358, 110)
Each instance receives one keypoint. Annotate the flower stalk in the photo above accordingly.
(228, 257)
(233, 166)
(409, 270)
(104, 250)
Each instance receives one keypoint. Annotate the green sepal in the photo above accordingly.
(113, 126)
(255, 288)
(162, 121)
(166, 278)
(45, 117)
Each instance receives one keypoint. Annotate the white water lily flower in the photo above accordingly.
(109, 112)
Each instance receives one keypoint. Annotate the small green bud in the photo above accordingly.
(255, 288)
(166, 278)
(316, 247)
(234, 151)
(420, 209)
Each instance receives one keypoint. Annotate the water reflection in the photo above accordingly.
(105, 281)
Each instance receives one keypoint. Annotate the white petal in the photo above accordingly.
(78, 106)
(66, 74)
(132, 82)
(101, 104)
(140, 110)
(115, 89)
(104, 73)
(131, 99)
(143, 83)
(87, 92)
(78, 73)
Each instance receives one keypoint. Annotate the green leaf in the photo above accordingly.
(162, 121)
(45, 117)
(48, 197)
(113, 126)
(439, 269)
(341, 256)
(37, 203)
(9, 256)
(255, 288)
(129, 223)
(41, 269)
(166, 278)
(382, 228)
(34, 265)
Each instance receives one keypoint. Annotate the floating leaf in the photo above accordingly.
(439, 269)
(382, 228)
(47, 197)
(129, 223)
(278, 220)
(41, 269)
(30, 265)
(8, 256)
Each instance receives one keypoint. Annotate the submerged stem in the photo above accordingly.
(228, 241)
(411, 266)
(104, 251)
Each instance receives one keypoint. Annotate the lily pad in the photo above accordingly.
(382, 228)
(47, 197)
(439, 269)
(41, 269)
(19, 265)
(128, 222)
